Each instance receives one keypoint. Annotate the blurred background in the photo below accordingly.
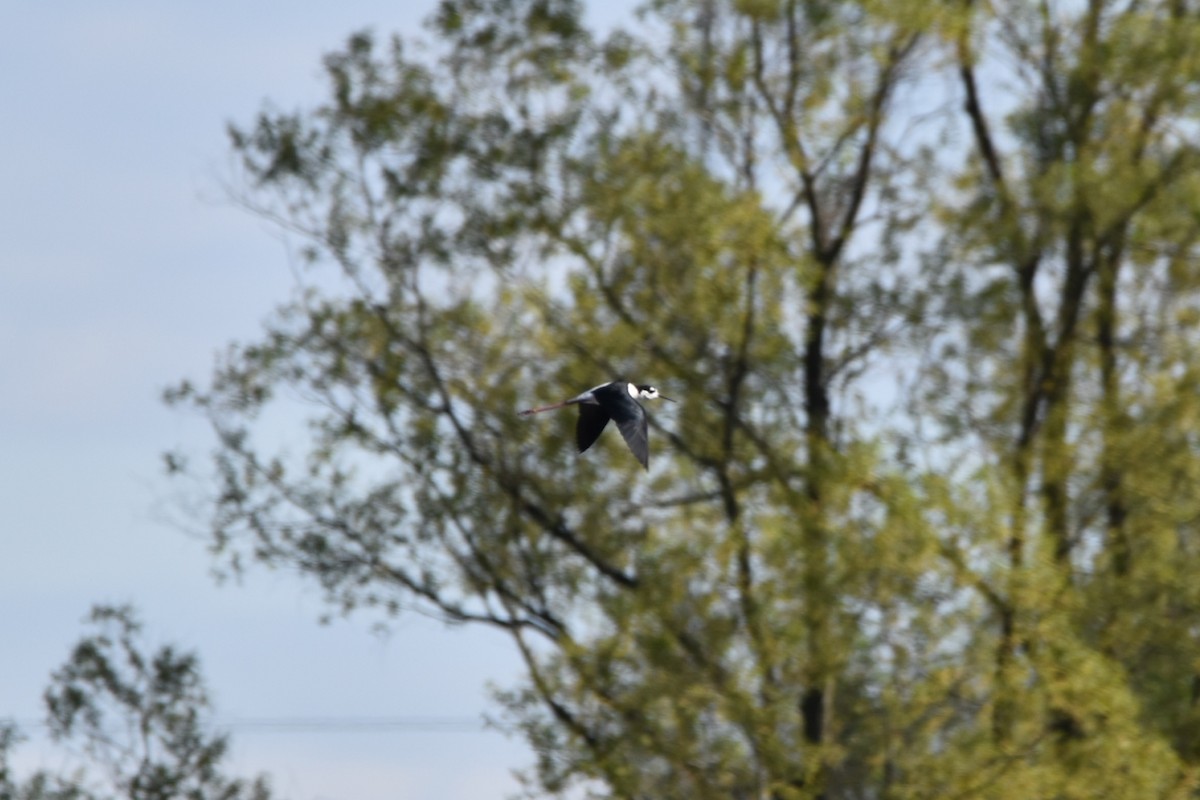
(124, 267)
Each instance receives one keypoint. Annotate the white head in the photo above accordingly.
(651, 393)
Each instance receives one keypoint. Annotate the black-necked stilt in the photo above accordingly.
(618, 401)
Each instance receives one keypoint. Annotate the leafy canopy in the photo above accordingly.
(923, 277)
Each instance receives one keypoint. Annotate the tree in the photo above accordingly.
(922, 276)
(138, 716)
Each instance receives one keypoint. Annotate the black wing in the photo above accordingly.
(636, 434)
(617, 403)
(592, 419)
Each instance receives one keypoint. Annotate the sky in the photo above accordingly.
(123, 269)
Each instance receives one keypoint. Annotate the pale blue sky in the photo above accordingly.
(122, 270)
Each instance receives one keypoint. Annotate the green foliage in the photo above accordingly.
(138, 717)
(923, 277)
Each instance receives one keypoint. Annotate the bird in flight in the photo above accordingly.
(618, 401)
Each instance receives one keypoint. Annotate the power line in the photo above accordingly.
(354, 724)
(416, 724)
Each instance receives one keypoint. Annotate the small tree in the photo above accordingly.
(138, 716)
